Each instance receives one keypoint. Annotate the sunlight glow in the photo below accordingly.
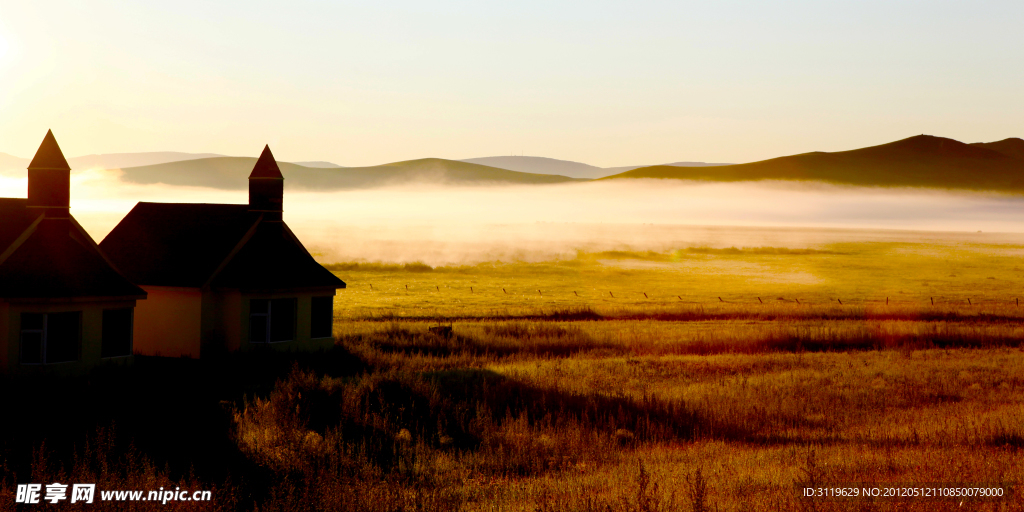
(445, 225)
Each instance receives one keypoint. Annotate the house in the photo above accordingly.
(224, 277)
(63, 306)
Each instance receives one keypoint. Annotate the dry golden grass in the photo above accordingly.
(572, 390)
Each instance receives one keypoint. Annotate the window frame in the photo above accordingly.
(44, 338)
(21, 340)
(268, 317)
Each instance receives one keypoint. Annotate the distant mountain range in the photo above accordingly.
(920, 161)
(231, 173)
(541, 165)
(9, 163)
(525, 164)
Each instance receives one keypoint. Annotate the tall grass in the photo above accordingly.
(662, 396)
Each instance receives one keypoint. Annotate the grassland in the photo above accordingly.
(862, 276)
(697, 379)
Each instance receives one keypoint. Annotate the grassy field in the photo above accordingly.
(863, 275)
(698, 379)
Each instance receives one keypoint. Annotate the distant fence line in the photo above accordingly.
(762, 300)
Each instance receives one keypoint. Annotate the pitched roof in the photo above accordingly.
(176, 244)
(16, 219)
(218, 245)
(273, 259)
(52, 259)
(266, 166)
(49, 155)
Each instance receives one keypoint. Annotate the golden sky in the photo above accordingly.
(607, 83)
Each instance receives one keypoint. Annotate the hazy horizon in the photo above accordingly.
(471, 224)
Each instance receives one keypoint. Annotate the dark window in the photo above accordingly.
(62, 336)
(271, 320)
(50, 337)
(282, 320)
(259, 320)
(117, 332)
(32, 337)
(322, 317)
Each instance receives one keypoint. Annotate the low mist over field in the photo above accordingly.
(439, 225)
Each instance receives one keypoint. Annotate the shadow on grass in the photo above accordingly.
(177, 413)
(500, 341)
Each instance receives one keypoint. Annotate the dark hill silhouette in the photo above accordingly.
(1010, 147)
(319, 163)
(920, 161)
(13, 164)
(543, 165)
(230, 173)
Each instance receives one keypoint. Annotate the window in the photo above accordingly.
(50, 337)
(117, 333)
(322, 317)
(32, 337)
(271, 320)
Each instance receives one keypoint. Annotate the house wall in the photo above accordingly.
(221, 328)
(302, 341)
(185, 322)
(91, 336)
(5, 357)
(169, 322)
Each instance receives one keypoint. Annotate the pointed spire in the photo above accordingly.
(266, 187)
(266, 166)
(49, 155)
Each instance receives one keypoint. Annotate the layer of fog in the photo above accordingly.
(445, 225)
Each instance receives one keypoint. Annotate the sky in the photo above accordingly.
(606, 83)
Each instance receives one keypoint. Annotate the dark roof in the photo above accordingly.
(218, 245)
(53, 259)
(15, 220)
(49, 155)
(176, 244)
(272, 259)
(266, 166)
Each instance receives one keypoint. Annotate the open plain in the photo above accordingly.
(694, 379)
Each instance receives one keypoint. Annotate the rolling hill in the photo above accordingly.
(920, 161)
(542, 165)
(12, 164)
(231, 173)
